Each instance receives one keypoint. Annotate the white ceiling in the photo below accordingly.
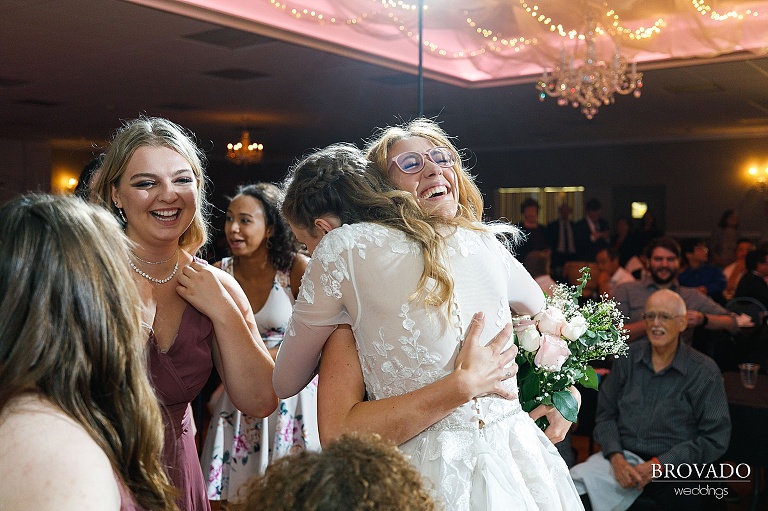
(70, 70)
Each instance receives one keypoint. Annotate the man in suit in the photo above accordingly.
(591, 233)
(561, 239)
(535, 233)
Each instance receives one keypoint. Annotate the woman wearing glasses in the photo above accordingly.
(418, 354)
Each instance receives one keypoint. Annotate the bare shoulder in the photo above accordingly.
(300, 262)
(48, 461)
(225, 278)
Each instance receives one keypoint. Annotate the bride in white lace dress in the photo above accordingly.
(452, 409)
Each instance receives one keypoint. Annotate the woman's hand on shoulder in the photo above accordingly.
(205, 287)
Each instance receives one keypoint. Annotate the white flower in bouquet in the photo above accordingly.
(575, 328)
(528, 335)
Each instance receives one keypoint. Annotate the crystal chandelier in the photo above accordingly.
(244, 152)
(592, 84)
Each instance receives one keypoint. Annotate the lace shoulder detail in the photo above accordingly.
(350, 241)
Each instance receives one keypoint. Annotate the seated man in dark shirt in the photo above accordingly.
(707, 278)
(663, 404)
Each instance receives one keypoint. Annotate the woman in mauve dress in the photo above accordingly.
(196, 315)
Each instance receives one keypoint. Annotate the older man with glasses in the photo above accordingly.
(662, 405)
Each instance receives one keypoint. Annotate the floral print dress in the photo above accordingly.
(236, 447)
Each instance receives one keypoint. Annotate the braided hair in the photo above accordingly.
(337, 181)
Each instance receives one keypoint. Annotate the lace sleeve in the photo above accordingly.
(326, 287)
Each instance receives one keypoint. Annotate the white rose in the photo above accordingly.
(575, 328)
(529, 338)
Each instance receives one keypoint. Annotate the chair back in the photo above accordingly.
(749, 306)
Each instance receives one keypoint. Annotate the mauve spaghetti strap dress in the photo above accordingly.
(178, 376)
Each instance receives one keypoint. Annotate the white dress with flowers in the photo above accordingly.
(239, 447)
(365, 274)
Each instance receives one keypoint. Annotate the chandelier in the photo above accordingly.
(244, 152)
(592, 84)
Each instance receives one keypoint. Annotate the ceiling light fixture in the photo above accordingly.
(245, 152)
(593, 83)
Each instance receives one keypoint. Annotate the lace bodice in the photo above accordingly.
(365, 274)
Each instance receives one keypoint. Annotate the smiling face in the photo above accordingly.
(434, 187)
(663, 265)
(246, 226)
(158, 195)
(665, 318)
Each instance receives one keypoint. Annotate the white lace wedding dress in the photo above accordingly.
(364, 274)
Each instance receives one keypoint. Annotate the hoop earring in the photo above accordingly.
(269, 243)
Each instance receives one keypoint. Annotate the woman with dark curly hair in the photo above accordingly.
(267, 264)
(354, 472)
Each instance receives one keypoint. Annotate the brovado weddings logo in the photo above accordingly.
(690, 477)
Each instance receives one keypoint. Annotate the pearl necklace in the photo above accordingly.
(150, 277)
(151, 262)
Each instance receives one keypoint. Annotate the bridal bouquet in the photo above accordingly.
(556, 346)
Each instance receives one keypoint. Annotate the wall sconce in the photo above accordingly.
(759, 177)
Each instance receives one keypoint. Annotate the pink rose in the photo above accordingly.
(551, 321)
(552, 354)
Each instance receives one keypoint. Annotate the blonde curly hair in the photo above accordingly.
(353, 473)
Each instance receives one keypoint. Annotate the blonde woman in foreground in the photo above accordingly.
(80, 427)
(196, 315)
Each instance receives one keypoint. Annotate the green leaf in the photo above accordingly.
(566, 405)
(589, 380)
(531, 387)
(524, 368)
(529, 405)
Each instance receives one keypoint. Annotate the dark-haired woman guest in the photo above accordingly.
(266, 263)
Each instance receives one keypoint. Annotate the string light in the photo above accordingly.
(398, 14)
